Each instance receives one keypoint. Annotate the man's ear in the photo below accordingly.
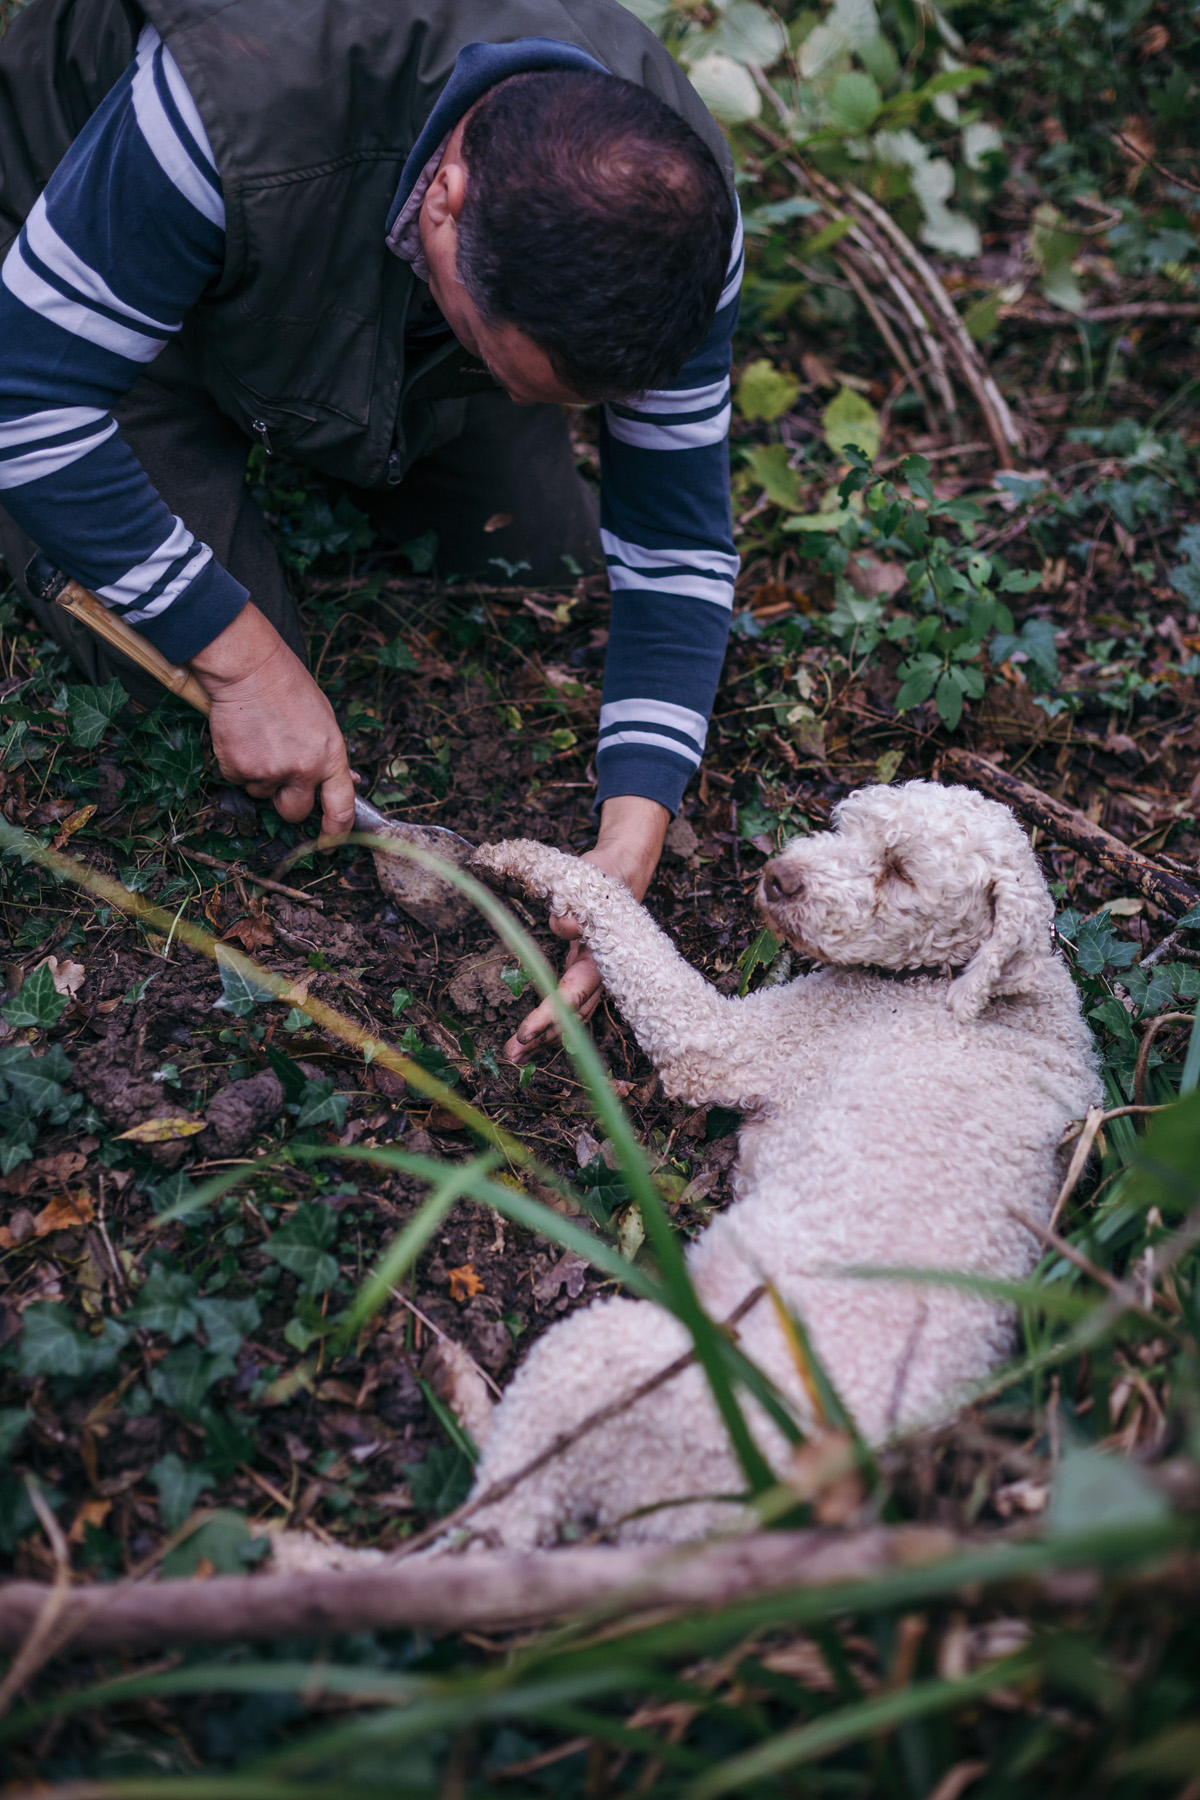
(1012, 957)
(446, 193)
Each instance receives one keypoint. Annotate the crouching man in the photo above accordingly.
(390, 239)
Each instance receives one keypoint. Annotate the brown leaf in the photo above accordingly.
(66, 1212)
(464, 1284)
(161, 1130)
(92, 1512)
(253, 932)
(814, 368)
(19, 1229)
(498, 521)
(440, 1119)
(67, 976)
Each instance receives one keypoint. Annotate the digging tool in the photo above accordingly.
(424, 895)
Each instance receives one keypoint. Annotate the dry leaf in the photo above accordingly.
(497, 522)
(815, 369)
(92, 1512)
(464, 1284)
(75, 822)
(254, 931)
(67, 976)
(66, 1212)
(161, 1130)
(19, 1229)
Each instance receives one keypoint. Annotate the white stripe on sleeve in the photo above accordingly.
(62, 261)
(170, 155)
(72, 315)
(733, 278)
(653, 712)
(51, 423)
(642, 435)
(138, 581)
(17, 471)
(707, 574)
(653, 738)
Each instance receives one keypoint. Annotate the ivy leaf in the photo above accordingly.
(37, 1002)
(301, 1246)
(770, 465)
(319, 1105)
(179, 1487)
(240, 993)
(184, 1376)
(1150, 989)
(515, 980)
(227, 1322)
(50, 1344)
(13, 1420)
(166, 1303)
(854, 102)
(1098, 946)
(223, 1541)
(92, 711)
(397, 654)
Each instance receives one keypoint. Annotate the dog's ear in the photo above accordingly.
(1012, 958)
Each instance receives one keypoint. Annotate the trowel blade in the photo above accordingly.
(424, 895)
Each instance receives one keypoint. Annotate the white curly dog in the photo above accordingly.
(894, 1115)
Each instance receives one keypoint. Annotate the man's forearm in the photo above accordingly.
(630, 840)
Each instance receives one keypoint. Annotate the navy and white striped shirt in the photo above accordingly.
(121, 245)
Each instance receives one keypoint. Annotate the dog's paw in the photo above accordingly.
(535, 867)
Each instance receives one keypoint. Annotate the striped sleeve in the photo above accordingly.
(122, 243)
(667, 536)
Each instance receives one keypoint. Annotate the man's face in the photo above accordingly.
(518, 365)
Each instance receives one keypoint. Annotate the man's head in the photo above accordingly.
(578, 234)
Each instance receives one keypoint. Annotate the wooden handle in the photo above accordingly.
(84, 606)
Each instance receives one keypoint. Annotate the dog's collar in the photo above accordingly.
(926, 972)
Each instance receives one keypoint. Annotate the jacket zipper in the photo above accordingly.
(260, 426)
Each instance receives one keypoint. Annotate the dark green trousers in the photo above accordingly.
(508, 461)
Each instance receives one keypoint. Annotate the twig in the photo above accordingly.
(1143, 1056)
(1102, 315)
(239, 869)
(1148, 162)
(500, 1490)
(444, 1337)
(491, 1590)
(1115, 1286)
(38, 1646)
(1083, 1149)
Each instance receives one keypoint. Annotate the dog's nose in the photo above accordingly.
(782, 881)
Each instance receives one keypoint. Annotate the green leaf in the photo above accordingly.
(1098, 946)
(165, 1303)
(771, 468)
(421, 552)
(515, 980)
(441, 1482)
(948, 698)
(761, 950)
(240, 993)
(1166, 1161)
(854, 102)
(1096, 1490)
(765, 392)
(221, 1541)
(184, 1376)
(301, 1245)
(92, 711)
(401, 998)
(319, 1105)
(397, 655)
(851, 419)
(36, 1003)
(13, 1420)
(179, 1487)
(227, 1322)
(50, 1344)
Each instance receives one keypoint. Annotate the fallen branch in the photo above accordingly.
(1066, 826)
(488, 1591)
(1131, 310)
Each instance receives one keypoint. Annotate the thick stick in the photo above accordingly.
(485, 1592)
(1066, 826)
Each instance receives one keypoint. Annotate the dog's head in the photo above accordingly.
(917, 876)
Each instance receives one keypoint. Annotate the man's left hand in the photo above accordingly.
(628, 846)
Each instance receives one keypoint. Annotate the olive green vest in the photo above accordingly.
(311, 108)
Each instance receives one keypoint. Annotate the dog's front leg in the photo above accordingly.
(696, 1038)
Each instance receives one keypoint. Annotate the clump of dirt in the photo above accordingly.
(239, 1112)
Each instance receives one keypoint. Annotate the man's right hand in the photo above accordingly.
(273, 730)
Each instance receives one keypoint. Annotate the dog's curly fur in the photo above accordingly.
(891, 1121)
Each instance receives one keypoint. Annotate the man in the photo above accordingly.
(366, 233)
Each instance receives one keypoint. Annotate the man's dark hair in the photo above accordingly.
(598, 223)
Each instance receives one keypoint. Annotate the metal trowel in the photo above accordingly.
(420, 891)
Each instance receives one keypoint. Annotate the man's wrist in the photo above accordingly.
(245, 646)
(630, 839)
